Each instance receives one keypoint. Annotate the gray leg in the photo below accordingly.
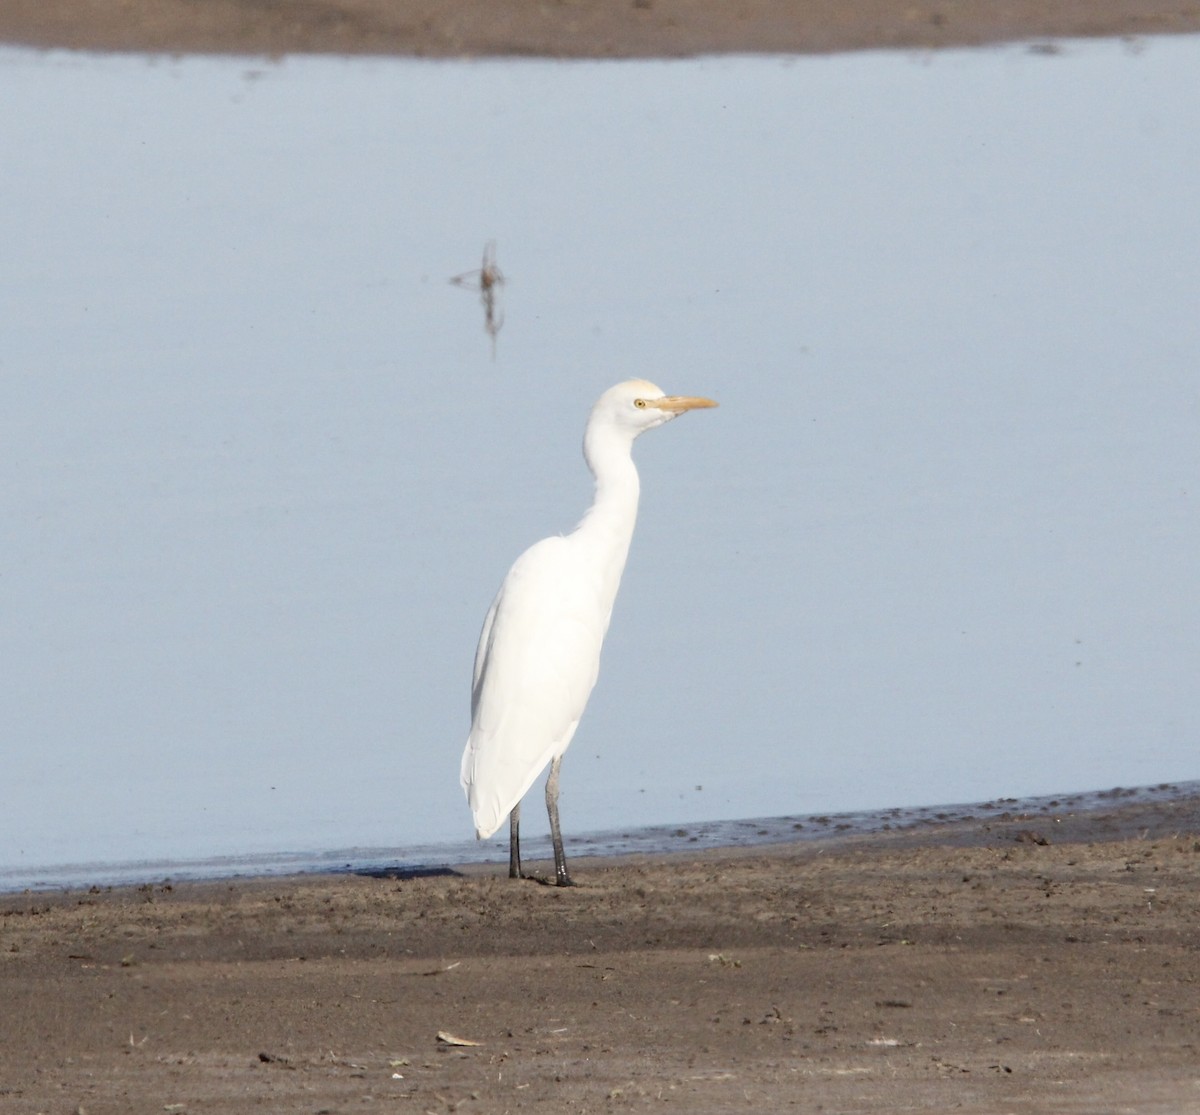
(514, 843)
(560, 861)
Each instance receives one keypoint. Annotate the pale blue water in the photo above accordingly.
(260, 475)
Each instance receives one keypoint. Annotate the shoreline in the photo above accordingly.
(1099, 814)
(570, 28)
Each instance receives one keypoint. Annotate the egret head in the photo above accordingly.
(638, 405)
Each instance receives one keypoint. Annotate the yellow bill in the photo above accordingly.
(677, 404)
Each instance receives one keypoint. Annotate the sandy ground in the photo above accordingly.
(1035, 964)
(571, 28)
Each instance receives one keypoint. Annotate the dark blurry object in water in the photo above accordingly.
(489, 279)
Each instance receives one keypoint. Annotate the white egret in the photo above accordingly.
(539, 651)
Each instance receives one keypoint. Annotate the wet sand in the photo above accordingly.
(571, 28)
(1036, 963)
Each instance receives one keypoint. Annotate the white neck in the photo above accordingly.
(605, 532)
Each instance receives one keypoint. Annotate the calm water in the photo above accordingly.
(261, 473)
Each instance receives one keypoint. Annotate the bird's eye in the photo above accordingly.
(640, 404)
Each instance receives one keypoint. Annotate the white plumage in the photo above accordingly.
(539, 651)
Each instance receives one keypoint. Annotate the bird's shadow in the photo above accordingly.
(420, 871)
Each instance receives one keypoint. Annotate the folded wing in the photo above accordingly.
(535, 667)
